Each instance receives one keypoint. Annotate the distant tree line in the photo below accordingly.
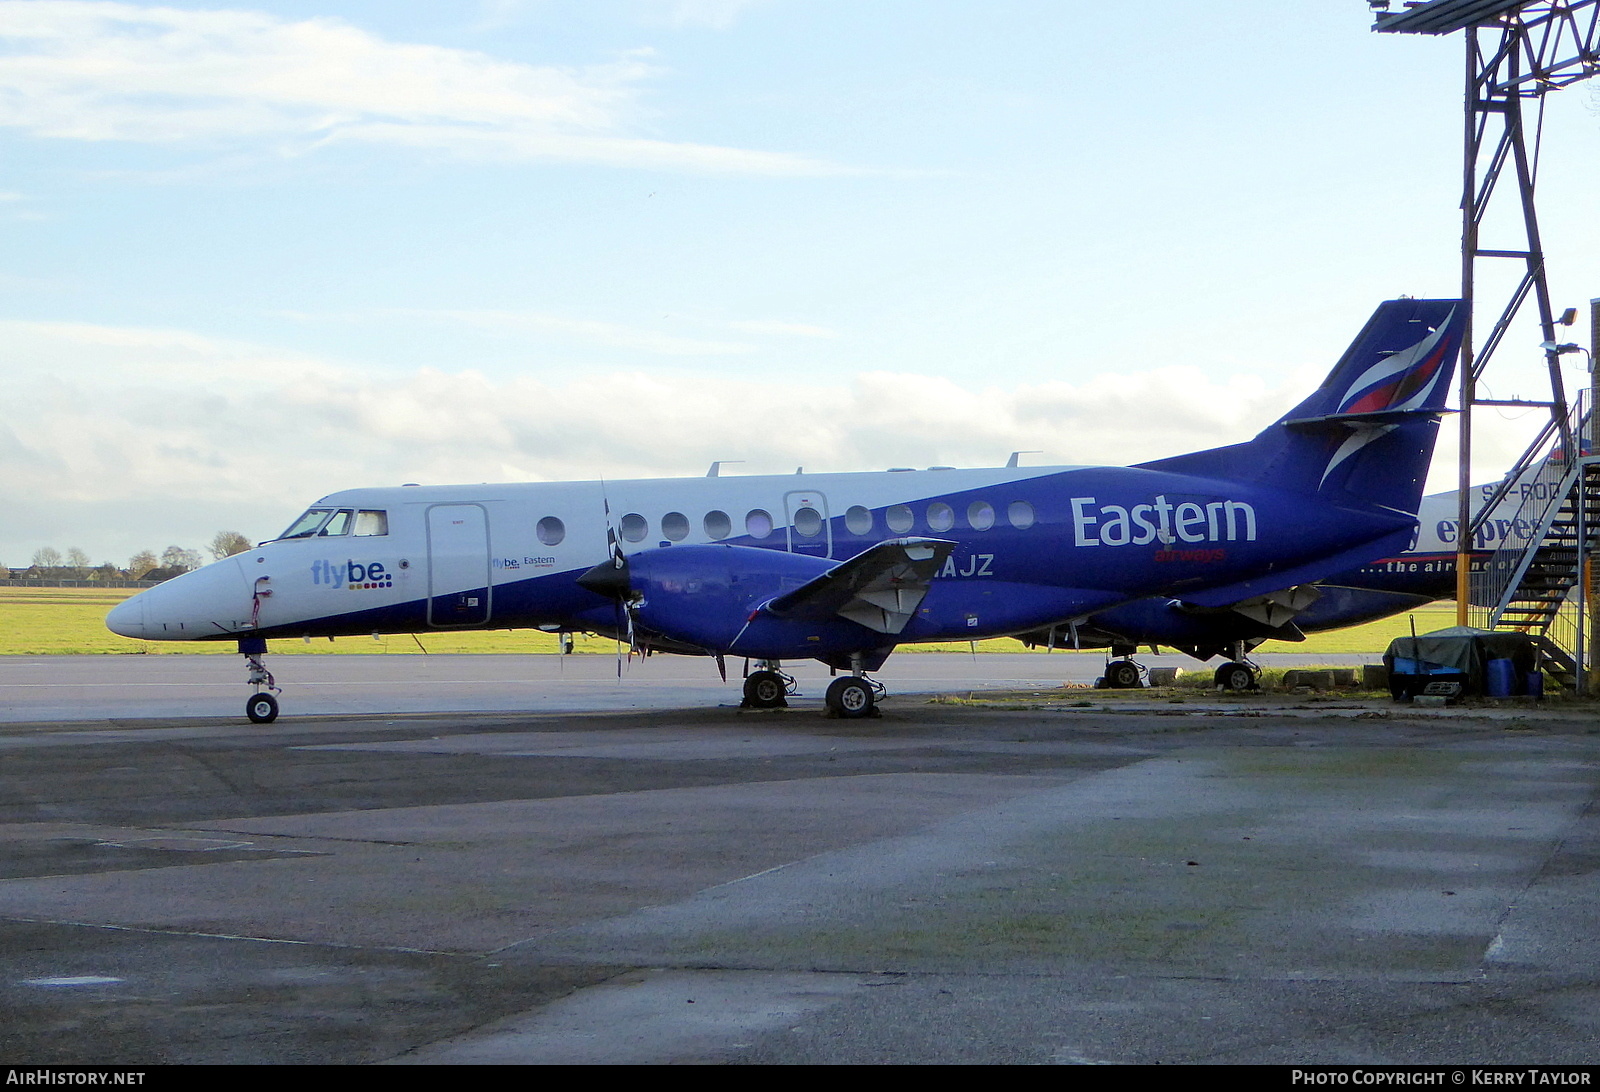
(50, 564)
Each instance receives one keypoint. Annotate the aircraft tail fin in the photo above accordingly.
(1366, 434)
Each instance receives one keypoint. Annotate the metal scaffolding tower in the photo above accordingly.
(1517, 52)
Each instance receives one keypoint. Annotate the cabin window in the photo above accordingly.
(807, 522)
(900, 518)
(550, 531)
(717, 525)
(941, 517)
(372, 523)
(758, 523)
(1020, 513)
(980, 515)
(634, 527)
(859, 520)
(675, 526)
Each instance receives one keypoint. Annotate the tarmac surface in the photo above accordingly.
(89, 687)
(1098, 878)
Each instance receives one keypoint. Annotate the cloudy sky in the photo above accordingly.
(254, 255)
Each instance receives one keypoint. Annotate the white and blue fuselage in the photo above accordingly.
(1032, 547)
(844, 567)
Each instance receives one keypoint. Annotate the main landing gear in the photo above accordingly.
(854, 696)
(850, 696)
(1238, 675)
(767, 687)
(262, 707)
(1122, 673)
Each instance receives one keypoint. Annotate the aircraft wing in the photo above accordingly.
(880, 588)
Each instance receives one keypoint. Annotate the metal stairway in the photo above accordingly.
(1557, 664)
(1551, 569)
(1527, 583)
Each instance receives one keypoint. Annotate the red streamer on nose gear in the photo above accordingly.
(256, 596)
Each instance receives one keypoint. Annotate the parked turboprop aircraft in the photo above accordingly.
(842, 568)
(1386, 586)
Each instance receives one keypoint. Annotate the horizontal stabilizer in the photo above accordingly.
(1379, 417)
(880, 588)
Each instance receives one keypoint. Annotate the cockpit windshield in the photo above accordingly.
(328, 522)
(308, 524)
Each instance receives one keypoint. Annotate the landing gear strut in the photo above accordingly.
(1238, 675)
(853, 696)
(1122, 673)
(767, 687)
(262, 708)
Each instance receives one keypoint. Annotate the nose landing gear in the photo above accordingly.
(262, 707)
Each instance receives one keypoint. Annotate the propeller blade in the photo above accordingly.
(612, 579)
(617, 614)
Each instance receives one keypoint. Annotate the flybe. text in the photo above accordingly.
(371, 574)
(1164, 522)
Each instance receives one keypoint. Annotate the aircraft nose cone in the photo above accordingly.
(127, 618)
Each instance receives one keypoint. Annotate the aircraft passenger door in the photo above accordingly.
(809, 529)
(459, 586)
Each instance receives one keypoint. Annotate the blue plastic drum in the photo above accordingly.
(1500, 678)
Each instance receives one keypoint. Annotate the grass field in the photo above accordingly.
(43, 621)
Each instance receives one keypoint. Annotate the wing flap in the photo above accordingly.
(1278, 609)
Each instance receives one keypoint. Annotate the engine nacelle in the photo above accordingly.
(713, 596)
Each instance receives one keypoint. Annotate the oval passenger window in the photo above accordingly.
(807, 522)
